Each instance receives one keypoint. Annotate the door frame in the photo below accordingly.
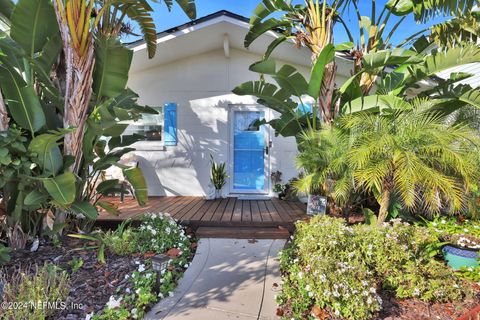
(231, 158)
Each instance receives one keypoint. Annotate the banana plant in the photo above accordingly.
(62, 100)
(408, 69)
(310, 25)
(290, 94)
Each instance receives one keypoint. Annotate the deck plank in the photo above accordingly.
(237, 211)
(198, 212)
(281, 211)
(197, 216)
(211, 210)
(256, 216)
(181, 213)
(264, 213)
(293, 213)
(179, 205)
(190, 213)
(227, 215)
(217, 216)
(273, 212)
(246, 211)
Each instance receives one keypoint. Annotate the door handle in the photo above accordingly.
(266, 150)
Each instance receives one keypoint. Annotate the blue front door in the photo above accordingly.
(248, 152)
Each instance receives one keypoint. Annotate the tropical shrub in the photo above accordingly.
(344, 270)
(30, 296)
(464, 234)
(63, 97)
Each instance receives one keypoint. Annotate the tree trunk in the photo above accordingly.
(384, 204)
(325, 99)
(78, 89)
(3, 115)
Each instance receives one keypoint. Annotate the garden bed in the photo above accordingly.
(335, 271)
(98, 290)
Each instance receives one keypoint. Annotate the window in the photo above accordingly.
(157, 127)
(150, 126)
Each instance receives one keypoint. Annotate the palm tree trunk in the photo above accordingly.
(3, 115)
(78, 89)
(384, 204)
(325, 99)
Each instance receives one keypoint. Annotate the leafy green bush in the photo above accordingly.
(34, 296)
(343, 269)
(463, 234)
(157, 233)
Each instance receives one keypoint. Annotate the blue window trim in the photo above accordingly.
(170, 124)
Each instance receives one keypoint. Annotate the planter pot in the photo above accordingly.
(303, 199)
(316, 205)
(460, 257)
(211, 194)
(275, 194)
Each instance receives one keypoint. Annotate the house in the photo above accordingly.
(190, 79)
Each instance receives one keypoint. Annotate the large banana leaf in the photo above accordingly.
(22, 101)
(326, 56)
(426, 9)
(61, 188)
(440, 61)
(35, 198)
(49, 156)
(268, 95)
(112, 63)
(268, 7)
(135, 177)
(188, 6)
(385, 58)
(6, 8)
(85, 208)
(268, 66)
(260, 28)
(375, 103)
(471, 97)
(142, 16)
(33, 23)
(292, 81)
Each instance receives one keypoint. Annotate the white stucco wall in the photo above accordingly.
(201, 86)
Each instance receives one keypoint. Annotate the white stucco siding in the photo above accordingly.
(201, 86)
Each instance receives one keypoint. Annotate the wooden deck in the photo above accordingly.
(228, 212)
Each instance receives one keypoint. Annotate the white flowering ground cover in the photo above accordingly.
(157, 233)
(335, 271)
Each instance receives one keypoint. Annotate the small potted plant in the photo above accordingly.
(276, 178)
(462, 241)
(218, 177)
(278, 189)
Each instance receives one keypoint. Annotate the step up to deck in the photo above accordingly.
(242, 233)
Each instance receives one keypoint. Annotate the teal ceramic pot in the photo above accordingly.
(460, 257)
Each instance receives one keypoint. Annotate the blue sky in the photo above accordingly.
(165, 20)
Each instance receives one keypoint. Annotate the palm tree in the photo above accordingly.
(414, 155)
(324, 163)
(310, 25)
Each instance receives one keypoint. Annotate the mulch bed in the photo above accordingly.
(410, 309)
(92, 285)
(395, 309)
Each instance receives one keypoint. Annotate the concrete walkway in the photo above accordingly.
(228, 279)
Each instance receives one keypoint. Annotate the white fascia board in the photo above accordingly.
(193, 28)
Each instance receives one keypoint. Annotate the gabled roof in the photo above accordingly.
(215, 31)
(189, 24)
